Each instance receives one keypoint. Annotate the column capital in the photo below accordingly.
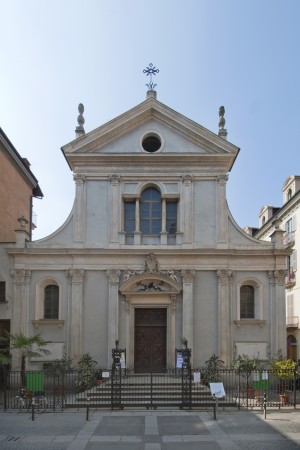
(187, 275)
(113, 275)
(78, 178)
(224, 276)
(21, 275)
(114, 179)
(187, 179)
(75, 275)
(222, 179)
(277, 276)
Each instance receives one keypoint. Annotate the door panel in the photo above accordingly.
(150, 340)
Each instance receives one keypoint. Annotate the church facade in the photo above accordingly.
(150, 253)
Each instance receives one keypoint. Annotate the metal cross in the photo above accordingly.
(151, 70)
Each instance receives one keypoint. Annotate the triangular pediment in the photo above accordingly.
(191, 138)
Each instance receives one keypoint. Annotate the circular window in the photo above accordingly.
(151, 143)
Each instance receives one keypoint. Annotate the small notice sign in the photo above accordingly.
(217, 389)
(197, 377)
(105, 374)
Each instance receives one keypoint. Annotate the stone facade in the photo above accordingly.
(150, 289)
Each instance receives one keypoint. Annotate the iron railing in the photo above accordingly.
(177, 388)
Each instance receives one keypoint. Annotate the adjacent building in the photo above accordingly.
(286, 218)
(18, 186)
(150, 252)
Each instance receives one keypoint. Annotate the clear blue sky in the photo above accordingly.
(243, 54)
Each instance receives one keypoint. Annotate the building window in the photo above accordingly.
(247, 306)
(171, 221)
(129, 217)
(51, 302)
(150, 212)
(2, 291)
(289, 194)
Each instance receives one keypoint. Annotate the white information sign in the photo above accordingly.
(197, 377)
(122, 361)
(217, 389)
(105, 374)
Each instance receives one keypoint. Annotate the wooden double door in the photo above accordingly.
(150, 340)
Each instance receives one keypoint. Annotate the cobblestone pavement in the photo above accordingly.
(151, 430)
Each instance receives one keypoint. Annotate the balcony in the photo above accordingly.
(289, 238)
(290, 280)
(292, 322)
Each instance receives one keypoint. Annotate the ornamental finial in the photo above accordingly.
(80, 119)
(222, 132)
(151, 70)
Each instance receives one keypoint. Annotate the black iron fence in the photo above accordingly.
(177, 388)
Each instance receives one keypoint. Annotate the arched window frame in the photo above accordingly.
(40, 302)
(258, 302)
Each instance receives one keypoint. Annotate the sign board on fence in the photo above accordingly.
(179, 360)
(197, 377)
(105, 374)
(217, 389)
(122, 361)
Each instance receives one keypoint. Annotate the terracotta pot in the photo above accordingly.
(58, 390)
(250, 393)
(284, 399)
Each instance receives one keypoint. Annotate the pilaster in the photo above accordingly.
(221, 212)
(187, 204)
(113, 310)
(224, 314)
(20, 306)
(278, 311)
(114, 207)
(79, 211)
(76, 278)
(187, 298)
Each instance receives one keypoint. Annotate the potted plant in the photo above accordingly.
(244, 366)
(99, 377)
(57, 369)
(212, 368)
(86, 375)
(284, 370)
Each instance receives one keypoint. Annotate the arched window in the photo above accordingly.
(51, 302)
(247, 305)
(150, 212)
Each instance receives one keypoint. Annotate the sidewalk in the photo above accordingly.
(150, 430)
